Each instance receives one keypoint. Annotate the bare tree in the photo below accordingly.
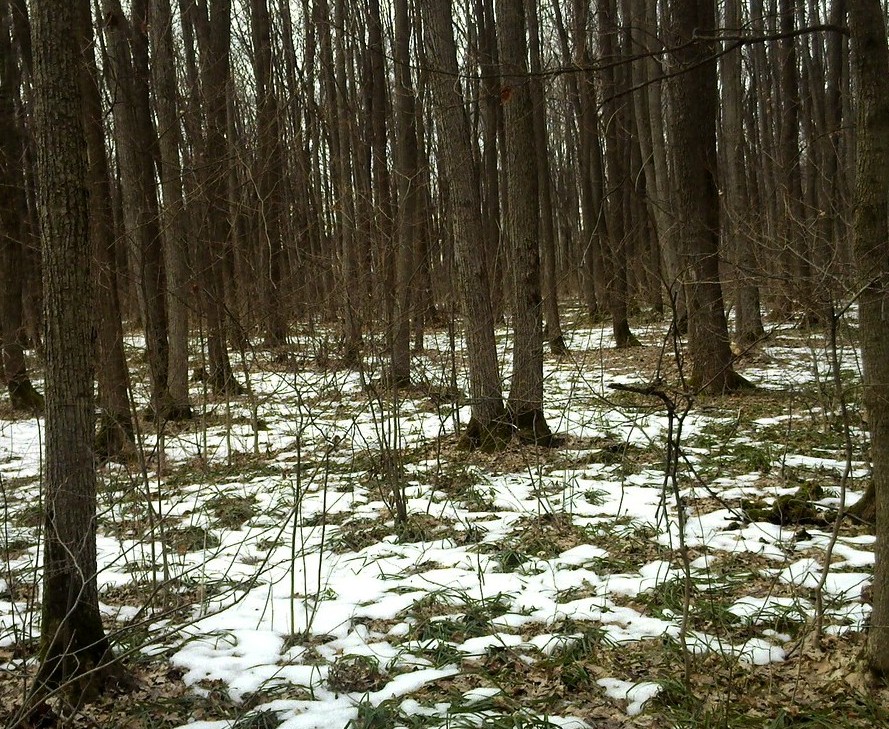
(135, 140)
(736, 202)
(870, 236)
(525, 403)
(407, 170)
(546, 225)
(13, 228)
(488, 427)
(115, 432)
(175, 246)
(73, 642)
(269, 179)
(692, 120)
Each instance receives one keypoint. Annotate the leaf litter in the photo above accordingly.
(262, 576)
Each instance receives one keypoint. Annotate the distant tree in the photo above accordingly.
(870, 236)
(617, 156)
(546, 224)
(212, 23)
(115, 430)
(268, 175)
(340, 134)
(735, 200)
(136, 140)
(13, 227)
(407, 171)
(73, 643)
(173, 228)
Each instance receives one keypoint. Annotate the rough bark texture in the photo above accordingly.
(72, 639)
(487, 426)
(870, 235)
(525, 403)
(696, 200)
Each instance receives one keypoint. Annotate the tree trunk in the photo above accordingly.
(115, 435)
(408, 176)
(487, 427)
(617, 184)
(214, 36)
(13, 214)
(338, 124)
(870, 236)
(134, 137)
(736, 203)
(696, 199)
(175, 246)
(546, 226)
(74, 650)
(269, 179)
(525, 403)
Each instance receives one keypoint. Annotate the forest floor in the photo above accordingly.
(253, 572)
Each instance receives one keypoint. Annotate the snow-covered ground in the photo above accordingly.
(270, 522)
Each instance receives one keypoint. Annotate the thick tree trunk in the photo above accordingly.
(73, 644)
(487, 427)
(525, 403)
(693, 138)
(870, 236)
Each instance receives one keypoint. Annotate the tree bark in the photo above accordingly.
(175, 246)
(73, 644)
(546, 226)
(407, 171)
(269, 179)
(487, 427)
(617, 183)
(13, 214)
(692, 119)
(736, 203)
(870, 236)
(135, 139)
(213, 31)
(525, 405)
(115, 435)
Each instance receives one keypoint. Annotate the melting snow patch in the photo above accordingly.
(635, 694)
